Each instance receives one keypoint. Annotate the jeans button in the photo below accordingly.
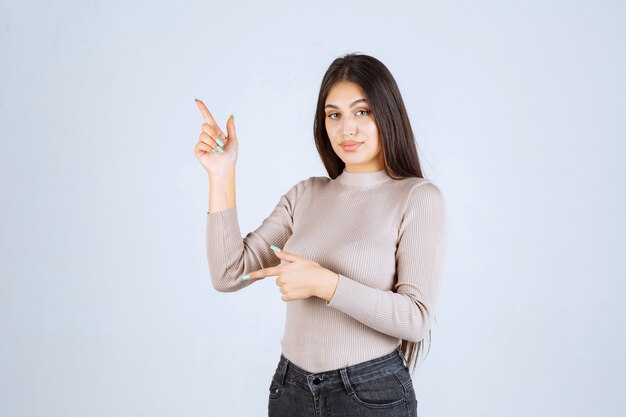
(316, 381)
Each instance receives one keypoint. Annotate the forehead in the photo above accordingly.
(344, 93)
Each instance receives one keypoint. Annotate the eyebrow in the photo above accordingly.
(353, 103)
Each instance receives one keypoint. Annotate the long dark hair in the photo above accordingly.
(394, 129)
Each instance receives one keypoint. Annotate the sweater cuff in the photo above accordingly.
(342, 292)
(228, 212)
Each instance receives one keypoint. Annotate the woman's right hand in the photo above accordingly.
(217, 163)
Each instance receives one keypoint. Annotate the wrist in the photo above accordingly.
(228, 173)
(327, 290)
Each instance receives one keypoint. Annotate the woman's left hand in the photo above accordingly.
(299, 277)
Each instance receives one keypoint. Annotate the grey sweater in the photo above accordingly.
(385, 238)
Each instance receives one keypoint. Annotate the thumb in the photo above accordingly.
(230, 128)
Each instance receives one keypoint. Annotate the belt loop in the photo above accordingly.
(346, 381)
(283, 371)
(404, 361)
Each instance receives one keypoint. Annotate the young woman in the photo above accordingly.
(358, 256)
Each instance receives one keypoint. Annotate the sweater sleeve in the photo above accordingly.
(230, 256)
(406, 311)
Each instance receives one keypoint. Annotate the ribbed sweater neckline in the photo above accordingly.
(363, 178)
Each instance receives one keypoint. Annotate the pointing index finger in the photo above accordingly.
(261, 273)
(208, 117)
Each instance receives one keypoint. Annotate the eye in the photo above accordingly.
(367, 112)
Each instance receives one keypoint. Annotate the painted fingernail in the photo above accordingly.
(245, 277)
(214, 151)
(219, 141)
(220, 150)
(275, 248)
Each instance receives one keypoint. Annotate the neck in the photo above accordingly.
(363, 178)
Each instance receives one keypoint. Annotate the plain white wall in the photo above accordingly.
(106, 305)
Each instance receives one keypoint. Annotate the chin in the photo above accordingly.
(353, 161)
(357, 159)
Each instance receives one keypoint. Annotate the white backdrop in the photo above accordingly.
(106, 305)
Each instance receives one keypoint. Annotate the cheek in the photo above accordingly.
(372, 128)
(371, 131)
(333, 130)
(368, 126)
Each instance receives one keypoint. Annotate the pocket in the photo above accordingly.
(385, 391)
(411, 397)
(275, 389)
(275, 386)
(404, 376)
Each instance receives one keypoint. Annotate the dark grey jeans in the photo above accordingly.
(378, 387)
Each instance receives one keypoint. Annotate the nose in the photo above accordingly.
(349, 127)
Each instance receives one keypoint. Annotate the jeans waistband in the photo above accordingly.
(361, 372)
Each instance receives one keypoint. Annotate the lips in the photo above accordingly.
(350, 145)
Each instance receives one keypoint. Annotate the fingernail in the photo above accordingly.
(220, 150)
(214, 151)
(196, 99)
(233, 116)
(245, 277)
(275, 248)
(219, 141)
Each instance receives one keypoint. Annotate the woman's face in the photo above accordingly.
(349, 119)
